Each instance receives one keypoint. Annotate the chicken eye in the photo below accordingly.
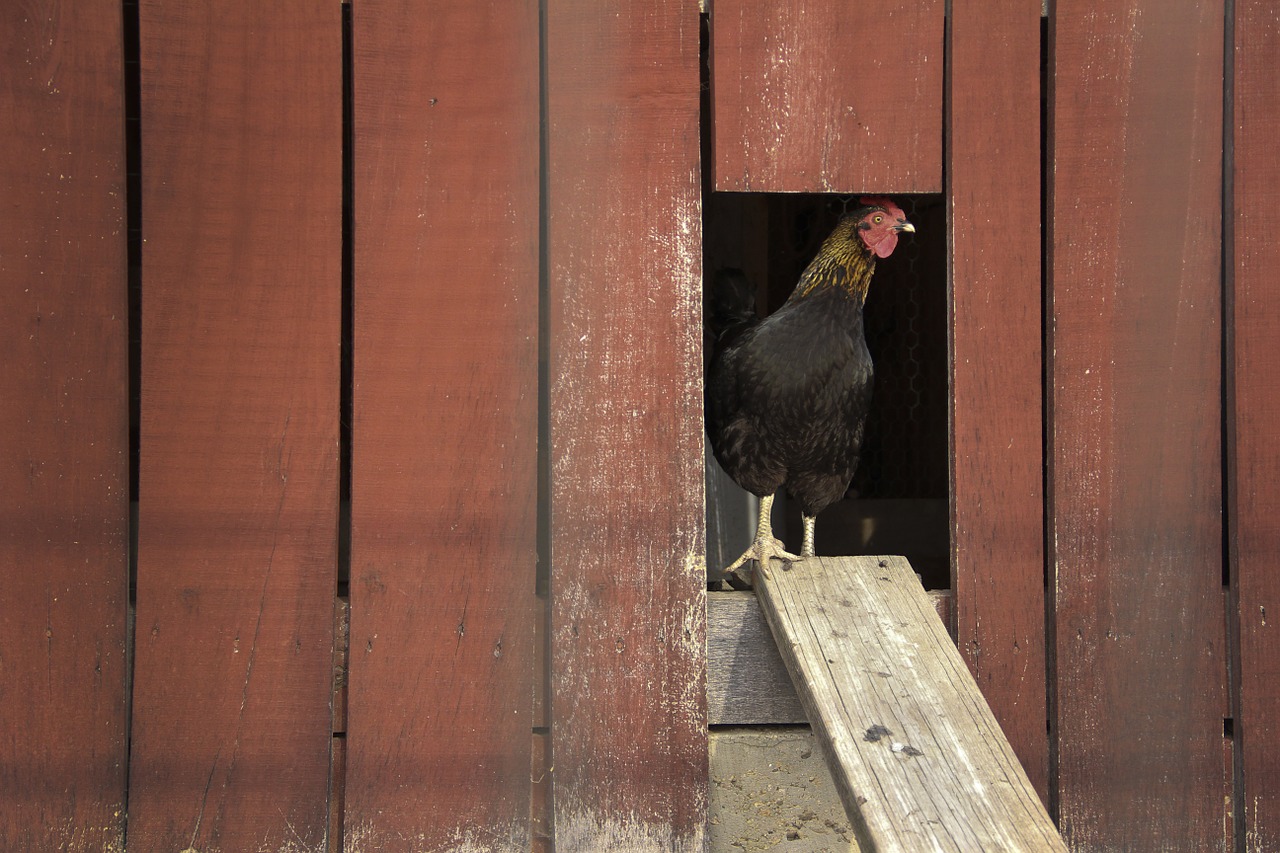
(879, 219)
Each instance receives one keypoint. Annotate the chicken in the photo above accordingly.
(787, 397)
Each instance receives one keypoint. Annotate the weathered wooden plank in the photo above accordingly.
(541, 666)
(238, 482)
(747, 682)
(1254, 411)
(918, 757)
(1229, 795)
(341, 662)
(827, 96)
(64, 443)
(997, 468)
(1228, 742)
(338, 754)
(541, 825)
(444, 497)
(337, 792)
(1135, 427)
(628, 577)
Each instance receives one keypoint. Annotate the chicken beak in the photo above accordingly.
(905, 226)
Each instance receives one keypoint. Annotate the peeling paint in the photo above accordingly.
(67, 836)
(365, 838)
(578, 831)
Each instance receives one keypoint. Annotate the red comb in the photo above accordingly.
(883, 201)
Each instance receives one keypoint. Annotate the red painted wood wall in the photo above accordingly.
(519, 211)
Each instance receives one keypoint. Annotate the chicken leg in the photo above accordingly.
(806, 548)
(766, 546)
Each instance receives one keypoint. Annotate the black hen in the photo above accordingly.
(787, 397)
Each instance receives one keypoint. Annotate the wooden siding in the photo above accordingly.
(238, 485)
(628, 601)
(997, 565)
(444, 501)
(64, 416)
(1135, 504)
(526, 181)
(827, 96)
(1253, 415)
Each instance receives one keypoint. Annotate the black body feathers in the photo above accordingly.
(787, 397)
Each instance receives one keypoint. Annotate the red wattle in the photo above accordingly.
(885, 247)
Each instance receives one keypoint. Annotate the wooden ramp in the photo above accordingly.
(918, 757)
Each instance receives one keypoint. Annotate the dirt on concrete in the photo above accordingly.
(771, 790)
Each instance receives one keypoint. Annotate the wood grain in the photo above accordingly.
(628, 576)
(540, 821)
(827, 96)
(997, 468)
(916, 754)
(1253, 413)
(444, 498)
(341, 662)
(64, 443)
(238, 481)
(747, 682)
(1135, 442)
(337, 792)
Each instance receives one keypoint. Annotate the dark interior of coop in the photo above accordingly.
(897, 503)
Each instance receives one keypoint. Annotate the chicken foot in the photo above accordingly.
(766, 546)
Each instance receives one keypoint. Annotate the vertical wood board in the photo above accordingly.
(444, 490)
(997, 474)
(827, 96)
(1254, 413)
(540, 822)
(64, 444)
(628, 601)
(238, 482)
(1135, 479)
